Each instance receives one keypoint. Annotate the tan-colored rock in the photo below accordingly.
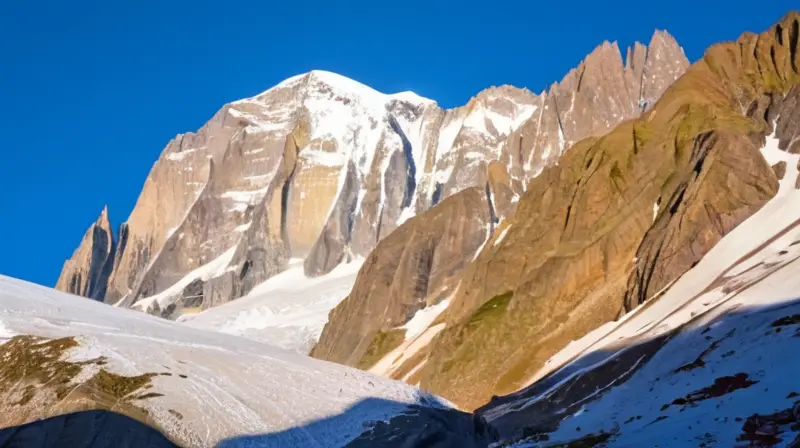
(501, 191)
(412, 268)
(779, 169)
(86, 273)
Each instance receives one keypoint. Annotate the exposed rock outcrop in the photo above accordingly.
(428, 427)
(413, 268)
(87, 272)
(593, 98)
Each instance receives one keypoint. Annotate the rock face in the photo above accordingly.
(86, 272)
(593, 98)
(413, 268)
(420, 263)
(322, 168)
(620, 218)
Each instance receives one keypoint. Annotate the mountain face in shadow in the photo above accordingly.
(722, 381)
(420, 426)
(95, 429)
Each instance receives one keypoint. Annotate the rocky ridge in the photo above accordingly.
(416, 266)
(85, 273)
(613, 225)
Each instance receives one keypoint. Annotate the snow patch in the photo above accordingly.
(257, 123)
(485, 240)
(259, 179)
(773, 154)
(405, 351)
(246, 197)
(212, 269)
(288, 310)
(502, 235)
(447, 137)
(423, 319)
(324, 158)
(442, 176)
(406, 214)
(239, 207)
(411, 97)
(177, 156)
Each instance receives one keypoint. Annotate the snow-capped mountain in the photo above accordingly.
(318, 167)
(321, 168)
(611, 263)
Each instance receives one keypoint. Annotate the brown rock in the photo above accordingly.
(582, 246)
(334, 173)
(500, 191)
(410, 269)
(591, 99)
(779, 169)
(330, 248)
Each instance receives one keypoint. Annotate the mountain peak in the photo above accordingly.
(103, 220)
(87, 271)
(323, 80)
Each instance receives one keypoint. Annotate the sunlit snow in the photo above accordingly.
(222, 385)
(288, 310)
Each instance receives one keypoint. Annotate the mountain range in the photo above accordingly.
(610, 262)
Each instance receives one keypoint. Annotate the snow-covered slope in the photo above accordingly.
(691, 367)
(287, 311)
(205, 387)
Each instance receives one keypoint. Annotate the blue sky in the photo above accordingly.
(91, 91)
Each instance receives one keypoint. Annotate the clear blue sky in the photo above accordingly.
(91, 91)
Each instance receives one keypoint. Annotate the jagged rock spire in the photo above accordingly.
(86, 272)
